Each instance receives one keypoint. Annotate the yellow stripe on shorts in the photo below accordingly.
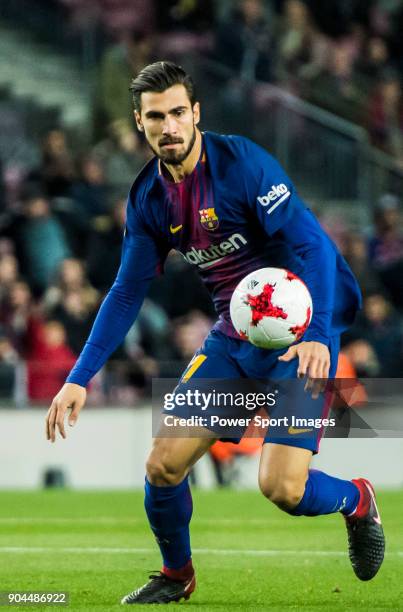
(193, 366)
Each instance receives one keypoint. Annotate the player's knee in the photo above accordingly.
(162, 473)
(285, 493)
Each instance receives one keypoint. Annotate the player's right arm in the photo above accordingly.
(141, 256)
(70, 397)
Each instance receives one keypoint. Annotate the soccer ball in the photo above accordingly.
(271, 307)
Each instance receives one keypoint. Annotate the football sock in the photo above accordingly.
(326, 494)
(184, 573)
(169, 510)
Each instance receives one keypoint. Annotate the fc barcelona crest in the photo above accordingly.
(208, 219)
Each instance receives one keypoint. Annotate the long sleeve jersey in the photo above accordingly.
(236, 212)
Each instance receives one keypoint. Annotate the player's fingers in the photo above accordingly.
(319, 373)
(322, 370)
(47, 423)
(289, 355)
(74, 414)
(48, 420)
(317, 388)
(52, 422)
(326, 368)
(322, 385)
(308, 385)
(313, 386)
(303, 366)
(315, 368)
(61, 411)
(324, 374)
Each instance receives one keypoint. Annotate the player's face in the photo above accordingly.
(168, 122)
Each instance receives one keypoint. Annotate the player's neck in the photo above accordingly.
(179, 171)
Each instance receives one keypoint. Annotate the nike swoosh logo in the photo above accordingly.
(294, 430)
(376, 518)
(190, 584)
(173, 230)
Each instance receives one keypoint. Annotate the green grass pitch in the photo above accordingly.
(248, 555)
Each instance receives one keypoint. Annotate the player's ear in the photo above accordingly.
(196, 113)
(139, 123)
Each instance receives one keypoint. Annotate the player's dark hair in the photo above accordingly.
(158, 77)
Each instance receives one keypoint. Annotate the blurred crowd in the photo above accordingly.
(346, 57)
(62, 221)
(374, 344)
(60, 242)
(61, 231)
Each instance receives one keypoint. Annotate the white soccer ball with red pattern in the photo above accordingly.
(271, 307)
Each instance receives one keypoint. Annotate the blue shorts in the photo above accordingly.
(224, 358)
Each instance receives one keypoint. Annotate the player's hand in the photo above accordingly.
(314, 362)
(70, 396)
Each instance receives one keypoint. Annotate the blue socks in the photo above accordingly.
(169, 510)
(326, 494)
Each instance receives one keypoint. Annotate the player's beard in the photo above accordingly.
(172, 157)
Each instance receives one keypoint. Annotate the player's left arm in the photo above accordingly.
(281, 212)
(305, 236)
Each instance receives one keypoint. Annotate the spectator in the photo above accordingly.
(149, 336)
(362, 357)
(337, 88)
(380, 327)
(76, 315)
(180, 279)
(119, 63)
(129, 373)
(347, 389)
(71, 277)
(73, 302)
(49, 359)
(40, 241)
(122, 154)
(393, 31)
(56, 172)
(104, 247)
(244, 42)
(190, 332)
(356, 253)
(386, 115)
(90, 191)
(386, 247)
(227, 458)
(8, 362)
(15, 310)
(2, 188)
(302, 50)
(373, 62)
(336, 18)
(8, 273)
(184, 16)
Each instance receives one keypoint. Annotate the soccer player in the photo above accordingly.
(229, 208)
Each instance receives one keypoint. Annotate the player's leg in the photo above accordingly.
(168, 504)
(285, 479)
(284, 475)
(168, 500)
(171, 458)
